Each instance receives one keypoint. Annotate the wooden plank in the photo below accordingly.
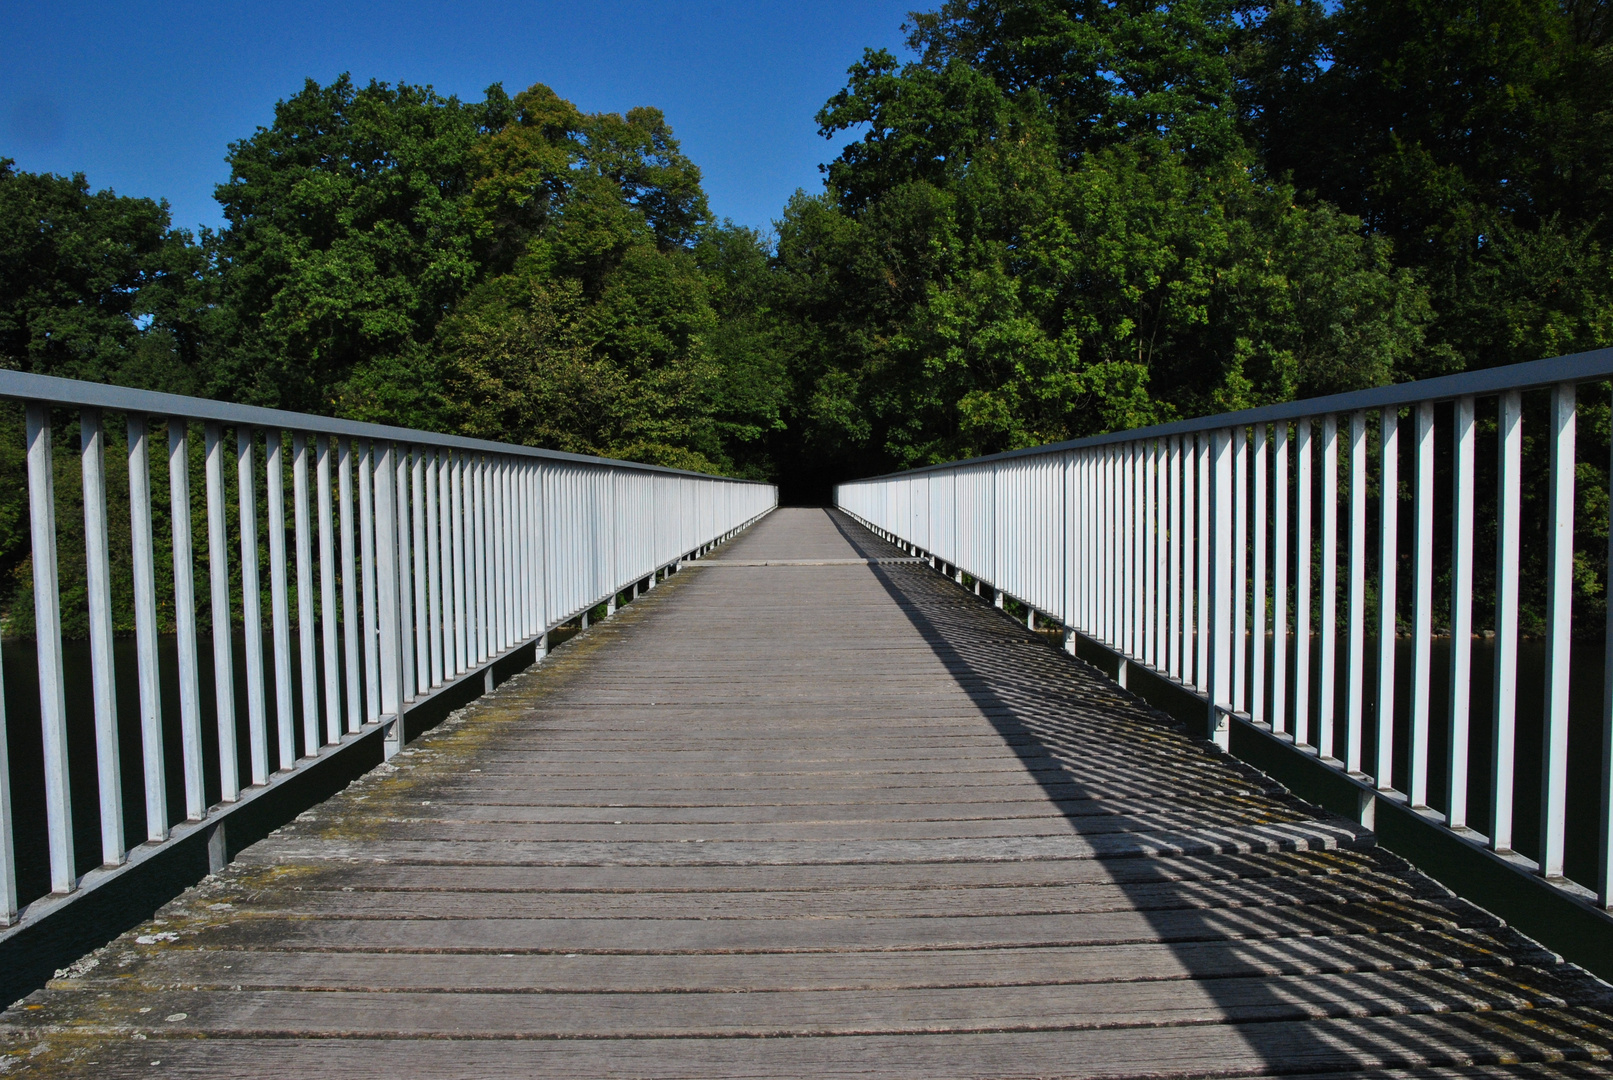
(830, 821)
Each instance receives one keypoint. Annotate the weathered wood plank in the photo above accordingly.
(833, 820)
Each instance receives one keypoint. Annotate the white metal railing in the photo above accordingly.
(416, 559)
(1210, 552)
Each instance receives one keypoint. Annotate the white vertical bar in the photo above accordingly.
(1423, 609)
(387, 593)
(367, 539)
(1388, 620)
(1161, 501)
(218, 567)
(328, 625)
(1355, 686)
(1279, 578)
(145, 629)
(257, 733)
(352, 658)
(457, 507)
(422, 638)
(1327, 669)
(1222, 599)
(405, 567)
(1509, 454)
(48, 631)
(1461, 610)
(190, 695)
(305, 594)
(1302, 586)
(1559, 630)
(103, 678)
(1190, 676)
(478, 549)
(434, 549)
(497, 552)
(1173, 641)
(1238, 594)
(279, 600)
(1206, 569)
(1257, 674)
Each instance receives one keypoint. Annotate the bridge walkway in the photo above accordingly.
(796, 814)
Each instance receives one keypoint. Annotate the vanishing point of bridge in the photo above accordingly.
(811, 809)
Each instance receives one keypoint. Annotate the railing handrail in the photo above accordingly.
(1589, 366)
(75, 393)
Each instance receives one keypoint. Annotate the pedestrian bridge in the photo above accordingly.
(806, 807)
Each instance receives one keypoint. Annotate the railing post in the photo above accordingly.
(280, 600)
(251, 605)
(1509, 455)
(1559, 627)
(387, 583)
(1388, 623)
(1461, 669)
(1218, 688)
(48, 635)
(103, 676)
(145, 629)
(218, 567)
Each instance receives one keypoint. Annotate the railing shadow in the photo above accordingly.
(1149, 799)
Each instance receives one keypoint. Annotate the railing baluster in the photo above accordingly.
(457, 507)
(48, 638)
(1423, 609)
(1355, 618)
(1175, 515)
(145, 630)
(328, 627)
(1388, 624)
(1206, 569)
(280, 601)
(190, 696)
(434, 551)
(305, 594)
(103, 677)
(367, 551)
(1238, 594)
(251, 607)
(352, 660)
(1461, 610)
(1302, 585)
(1279, 579)
(388, 587)
(1257, 674)
(1559, 631)
(480, 547)
(405, 572)
(422, 629)
(1190, 676)
(1221, 599)
(1161, 524)
(218, 569)
(1509, 476)
(1327, 669)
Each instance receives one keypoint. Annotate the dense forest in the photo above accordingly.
(1059, 217)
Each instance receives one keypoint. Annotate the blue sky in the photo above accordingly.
(144, 97)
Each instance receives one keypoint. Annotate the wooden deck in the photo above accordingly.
(818, 817)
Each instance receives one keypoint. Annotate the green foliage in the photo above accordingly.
(988, 272)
